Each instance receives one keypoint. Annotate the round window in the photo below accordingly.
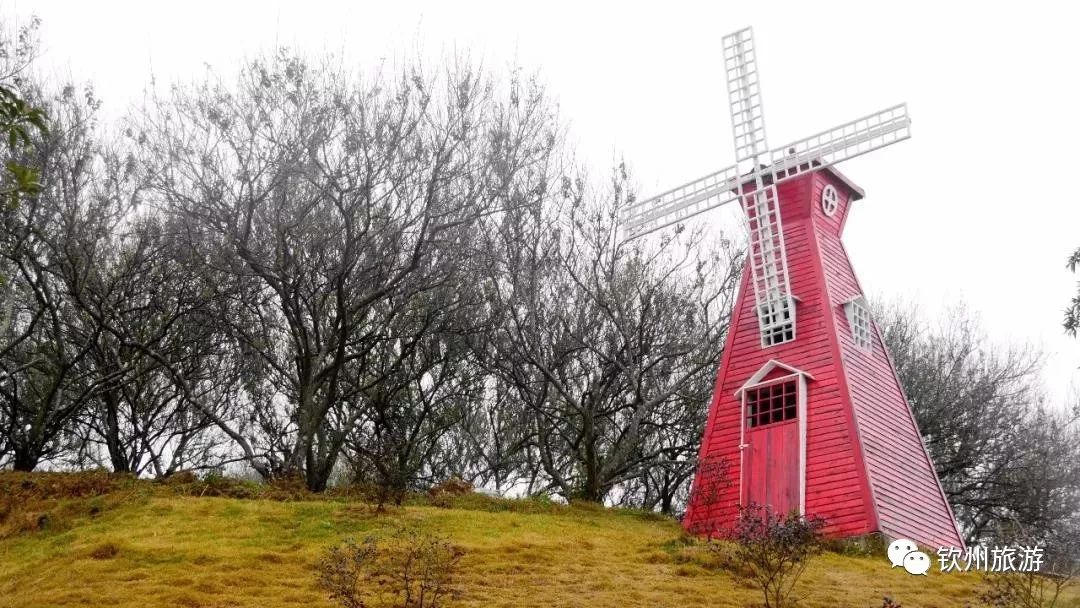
(829, 200)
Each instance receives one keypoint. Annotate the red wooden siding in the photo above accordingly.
(772, 466)
(856, 475)
(908, 497)
(835, 479)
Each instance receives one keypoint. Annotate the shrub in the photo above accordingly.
(1022, 590)
(1059, 571)
(773, 550)
(415, 567)
(1026, 589)
(714, 475)
(455, 486)
(180, 478)
(50, 486)
(105, 551)
(214, 484)
(285, 488)
(341, 571)
(34, 502)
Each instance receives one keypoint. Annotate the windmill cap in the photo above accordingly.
(766, 171)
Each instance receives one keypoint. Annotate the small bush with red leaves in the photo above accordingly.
(773, 550)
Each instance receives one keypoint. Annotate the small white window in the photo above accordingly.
(777, 322)
(829, 200)
(858, 315)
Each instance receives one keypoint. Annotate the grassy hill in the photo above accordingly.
(96, 540)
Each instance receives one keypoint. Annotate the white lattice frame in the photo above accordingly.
(860, 322)
(768, 256)
(744, 96)
(681, 203)
(768, 267)
(840, 143)
(825, 149)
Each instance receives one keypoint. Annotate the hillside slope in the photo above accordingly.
(135, 543)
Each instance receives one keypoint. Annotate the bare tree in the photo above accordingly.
(491, 442)
(49, 239)
(419, 384)
(664, 485)
(599, 336)
(1001, 452)
(141, 417)
(317, 198)
(1072, 313)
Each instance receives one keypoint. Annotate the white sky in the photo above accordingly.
(976, 206)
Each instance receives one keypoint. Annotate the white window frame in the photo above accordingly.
(776, 318)
(860, 322)
(830, 200)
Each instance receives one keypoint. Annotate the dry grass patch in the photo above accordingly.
(106, 550)
(262, 553)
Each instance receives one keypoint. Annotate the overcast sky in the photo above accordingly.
(978, 206)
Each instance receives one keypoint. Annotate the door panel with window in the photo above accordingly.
(771, 471)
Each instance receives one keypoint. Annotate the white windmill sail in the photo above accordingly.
(768, 256)
(848, 140)
(827, 148)
(754, 177)
(681, 203)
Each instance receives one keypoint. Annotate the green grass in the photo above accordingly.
(142, 544)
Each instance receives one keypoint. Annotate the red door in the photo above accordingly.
(771, 473)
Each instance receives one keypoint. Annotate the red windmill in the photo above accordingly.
(807, 412)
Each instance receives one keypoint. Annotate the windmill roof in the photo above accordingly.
(856, 192)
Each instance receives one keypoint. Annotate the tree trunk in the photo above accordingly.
(117, 456)
(26, 459)
(317, 473)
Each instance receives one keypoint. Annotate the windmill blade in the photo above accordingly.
(769, 266)
(681, 203)
(744, 95)
(840, 143)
